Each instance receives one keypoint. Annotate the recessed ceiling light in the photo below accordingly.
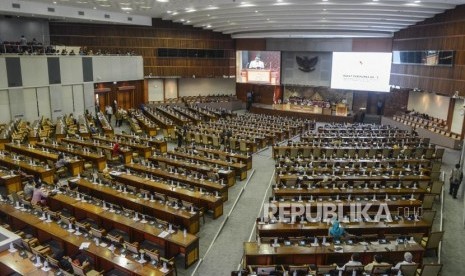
(417, 1)
(126, 8)
(163, 1)
(190, 10)
(324, 9)
(95, 8)
(55, 2)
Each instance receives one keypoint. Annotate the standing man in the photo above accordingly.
(249, 100)
(109, 112)
(456, 177)
(119, 117)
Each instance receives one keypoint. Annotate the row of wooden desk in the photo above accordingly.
(266, 254)
(208, 185)
(198, 198)
(75, 166)
(312, 229)
(46, 174)
(127, 153)
(158, 144)
(228, 176)
(173, 244)
(179, 216)
(235, 157)
(98, 160)
(371, 152)
(239, 168)
(102, 258)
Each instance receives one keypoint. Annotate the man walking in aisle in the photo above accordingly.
(456, 177)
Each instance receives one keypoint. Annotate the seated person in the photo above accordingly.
(39, 195)
(337, 231)
(377, 260)
(28, 190)
(61, 162)
(116, 150)
(408, 259)
(354, 260)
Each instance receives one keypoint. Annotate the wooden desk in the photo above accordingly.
(265, 254)
(227, 176)
(11, 263)
(353, 178)
(173, 244)
(344, 192)
(158, 144)
(240, 169)
(103, 259)
(11, 182)
(45, 174)
(127, 154)
(179, 119)
(188, 220)
(144, 150)
(398, 206)
(199, 199)
(98, 160)
(311, 229)
(246, 159)
(206, 184)
(159, 120)
(75, 166)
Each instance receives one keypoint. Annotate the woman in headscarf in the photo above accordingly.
(336, 231)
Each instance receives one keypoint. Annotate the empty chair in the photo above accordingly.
(408, 269)
(436, 187)
(439, 153)
(428, 201)
(132, 247)
(430, 270)
(325, 269)
(428, 216)
(243, 147)
(216, 141)
(381, 269)
(432, 241)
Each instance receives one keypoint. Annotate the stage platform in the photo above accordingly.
(269, 110)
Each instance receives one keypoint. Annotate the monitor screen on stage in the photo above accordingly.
(261, 67)
(361, 71)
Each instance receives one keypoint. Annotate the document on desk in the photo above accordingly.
(84, 245)
(115, 173)
(163, 234)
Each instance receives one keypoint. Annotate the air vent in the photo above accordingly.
(129, 18)
(51, 9)
(16, 6)
(80, 13)
(107, 16)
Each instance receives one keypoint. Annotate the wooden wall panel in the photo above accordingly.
(146, 40)
(445, 31)
(258, 44)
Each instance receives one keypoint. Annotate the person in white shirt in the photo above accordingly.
(407, 260)
(109, 111)
(354, 261)
(257, 64)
